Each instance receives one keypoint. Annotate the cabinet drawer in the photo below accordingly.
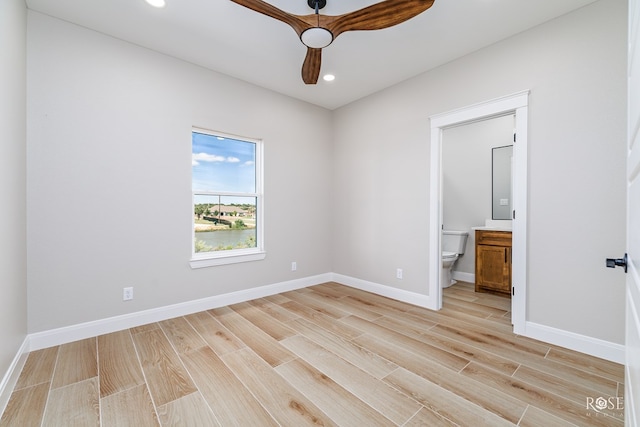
(493, 238)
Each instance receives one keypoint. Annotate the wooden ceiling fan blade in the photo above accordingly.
(311, 66)
(265, 8)
(376, 17)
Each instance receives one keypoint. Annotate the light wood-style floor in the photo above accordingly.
(325, 355)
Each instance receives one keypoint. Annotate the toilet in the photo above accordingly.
(453, 246)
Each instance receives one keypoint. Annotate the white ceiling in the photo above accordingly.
(231, 39)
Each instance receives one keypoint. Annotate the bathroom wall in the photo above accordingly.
(466, 179)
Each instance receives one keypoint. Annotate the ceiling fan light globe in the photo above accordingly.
(316, 37)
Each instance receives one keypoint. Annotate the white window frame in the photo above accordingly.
(212, 259)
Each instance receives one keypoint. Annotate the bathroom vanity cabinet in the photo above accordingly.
(493, 261)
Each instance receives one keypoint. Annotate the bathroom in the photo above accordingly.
(476, 187)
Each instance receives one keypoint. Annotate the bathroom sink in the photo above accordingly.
(496, 225)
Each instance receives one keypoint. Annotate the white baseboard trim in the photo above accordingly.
(463, 277)
(386, 291)
(11, 376)
(582, 343)
(40, 340)
(630, 416)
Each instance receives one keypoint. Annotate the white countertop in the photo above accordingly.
(491, 228)
(495, 225)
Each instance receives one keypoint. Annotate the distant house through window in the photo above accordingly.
(227, 195)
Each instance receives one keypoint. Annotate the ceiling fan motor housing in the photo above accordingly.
(312, 4)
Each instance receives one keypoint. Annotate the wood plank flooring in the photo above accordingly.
(324, 355)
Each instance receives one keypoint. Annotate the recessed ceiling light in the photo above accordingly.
(157, 3)
(329, 77)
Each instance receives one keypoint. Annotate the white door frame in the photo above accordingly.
(632, 334)
(512, 104)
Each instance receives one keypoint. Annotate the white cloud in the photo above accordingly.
(196, 158)
(204, 157)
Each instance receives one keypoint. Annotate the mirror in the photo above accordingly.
(501, 165)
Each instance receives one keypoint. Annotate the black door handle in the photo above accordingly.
(620, 262)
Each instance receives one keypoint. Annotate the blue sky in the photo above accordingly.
(222, 164)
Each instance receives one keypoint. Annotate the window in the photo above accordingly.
(226, 183)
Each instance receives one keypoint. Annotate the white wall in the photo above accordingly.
(13, 262)
(575, 68)
(109, 177)
(467, 178)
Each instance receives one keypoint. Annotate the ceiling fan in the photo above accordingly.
(319, 31)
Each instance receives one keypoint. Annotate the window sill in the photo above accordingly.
(228, 257)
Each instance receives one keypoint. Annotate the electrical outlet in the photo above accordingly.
(399, 273)
(294, 266)
(127, 294)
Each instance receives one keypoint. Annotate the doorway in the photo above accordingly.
(477, 192)
(516, 104)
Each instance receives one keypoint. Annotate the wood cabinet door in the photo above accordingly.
(494, 268)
